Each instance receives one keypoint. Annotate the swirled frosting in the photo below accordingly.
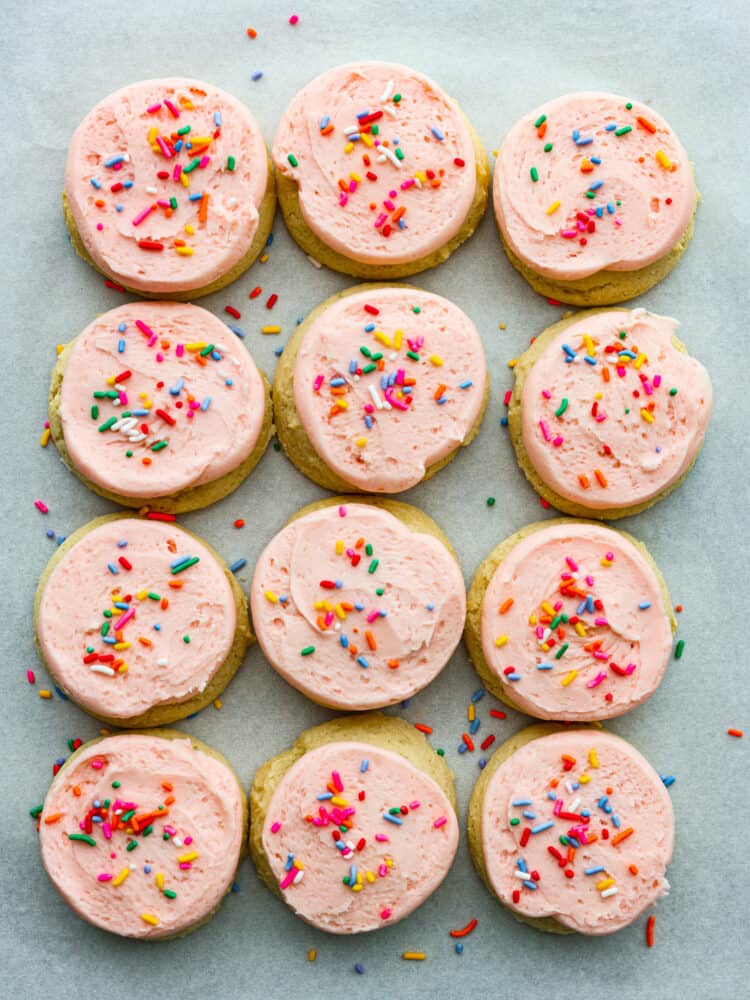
(141, 835)
(356, 610)
(589, 182)
(383, 161)
(397, 844)
(164, 179)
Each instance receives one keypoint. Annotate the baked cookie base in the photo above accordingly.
(294, 439)
(475, 597)
(266, 212)
(174, 734)
(521, 369)
(320, 252)
(603, 288)
(383, 731)
(191, 498)
(166, 712)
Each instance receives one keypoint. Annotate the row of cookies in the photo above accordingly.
(170, 190)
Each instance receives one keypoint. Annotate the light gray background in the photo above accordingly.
(500, 60)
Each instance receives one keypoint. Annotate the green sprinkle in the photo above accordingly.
(165, 836)
(368, 549)
(186, 639)
(366, 351)
(540, 121)
(562, 407)
(564, 618)
(380, 591)
(184, 130)
(293, 161)
(399, 153)
(563, 840)
(416, 309)
(128, 453)
(377, 356)
(307, 650)
(107, 614)
(396, 98)
(555, 622)
(153, 596)
(369, 368)
(207, 350)
(623, 334)
(490, 501)
(173, 204)
(89, 649)
(83, 837)
(672, 392)
(128, 815)
(627, 409)
(515, 821)
(410, 354)
(170, 894)
(395, 810)
(624, 130)
(375, 130)
(159, 446)
(231, 163)
(131, 845)
(105, 627)
(591, 194)
(561, 650)
(373, 566)
(36, 812)
(147, 830)
(678, 650)
(629, 106)
(115, 784)
(94, 412)
(185, 565)
(440, 752)
(548, 147)
(534, 174)
(107, 424)
(277, 446)
(192, 165)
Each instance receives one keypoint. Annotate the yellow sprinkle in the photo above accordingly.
(60, 348)
(370, 876)
(44, 439)
(397, 335)
(357, 887)
(119, 879)
(271, 597)
(159, 881)
(348, 147)
(593, 759)
(140, 596)
(545, 647)
(414, 956)
(184, 251)
(436, 360)
(513, 362)
(639, 360)
(110, 380)
(361, 442)
(584, 779)
(367, 139)
(532, 619)
(342, 404)
(502, 326)
(502, 639)
(589, 345)
(270, 329)
(389, 862)
(185, 178)
(336, 800)
(606, 562)
(339, 546)
(553, 207)
(580, 628)
(44, 693)
(598, 395)
(312, 955)
(318, 605)
(383, 338)
(190, 230)
(196, 345)
(547, 607)
(569, 678)
(190, 856)
(421, 176)
(149, 918)
(494, 152)
(359, 878)
(471, 712)
(356, 177)
(663, 160)
(340, 612)
(217, 704)
(121, 645)
(605, 884)
(647, 415)
(151, 136)
(201, 140)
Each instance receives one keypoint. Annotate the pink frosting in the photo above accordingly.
(385, 438)
(611, 782)
(209, 408)
(154, 610)
(642, 187)
(194, 845)
(638, 420)
(306, 593)
(402, 186)
(120, 126)
(400, 862)
(610, 650)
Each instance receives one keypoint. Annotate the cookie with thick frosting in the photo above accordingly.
(380, 174)
(594, 198)
(570, 620)
(168, 188)
(139, 621)
(608, 412)
(572, 830)
(159, 403)
(379, 388)
(358, 604)
(141, 834)
(354, 826)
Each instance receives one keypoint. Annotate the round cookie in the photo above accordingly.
(608, 412)
(141, 833)
(380, 174)
(570, 620)
(594, 851)
(378, 389)
(379, 779)
(139, 621)
(358, 604)
(594, 198)
(158, 403)
(169, 191)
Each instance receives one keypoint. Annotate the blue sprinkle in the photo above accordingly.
(595, 186)
(177, 561)
(368, 421)
(459, 948)
(521, 802)
(529, 814)
(60, 693)
(127, 185)
(600, 210)
(114, 160)
(269, 241)
(443, 399)
(478, 695)
(573, 842)
(596, 159)
(513, 677)
(430, 606)
(352, 874)
(120, 346)
(551, 796)
(437, 133)
(359, 969)
(113, 569)
(217, 117)
(95, 183)
(644, 605)
(352, 367)
(109, 640)
(362, 662)
(205, 404)
(393, 819)
(585, 142)
(585, 812)
(541, 827)
(593, 871)
(228, 382)
(462, 748)
(359, 606)
(569, 351)
(369, 327)
(529, 885)
(466, 385)
(668, 779)
(589, 360)
(289, 862)
(147, 869)
(157, 627)
(338, 584)
(576, 135)
(522, 865)
(503, 421)
(610, 128)
(363, 114)
(215, 355)
(257, 75)
(544, 666)
(122, 544)
(279, 351)
(119, 208)
(50, 533)
(235, 886)
(122, 605)
(364, 765)
(610, 208)
(122, 327)
(337, 381)
(616, 822)
(482, 763)
(237, 331)
(474, 726)
(140, 413)
(344, 641)
(196, 196)
(325, 120)
(177, 387)
(283, 598)
(237, 565)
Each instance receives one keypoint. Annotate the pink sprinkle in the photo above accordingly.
(539, 632)
(152, 340)
(170, 830)
(647, 387)
(124, 619)
(400, 376)
(337, 782)
(153, 108)
(620, 371)
(104, 877)
(601, 621)
(205, 160)
(568, 234)
(352, 187)
(143, 328)
(381, 838)
(162, 203)
(389, 205)
(394, 402)
(293, 19)
(159, 357)
(599, 655)
(611, 556)
(369, 408)
(41, 506)
(275, 827)
(329, 618)
(630, 668)
(180, 350)
(545, 430)
(176, 173)
(140, 217)
(185, 865)
(385, 914)
(557, 808)
(172, 109)
(414, 805)
(97, 764)
(107, 831)
(123, 399)
(557, 605)
(596, 681)
(46, 424)
(407, 184)
(557, 442)
(99, 226)
(657, 381)
(380, 220)
(343, 198)
(440, 821)
(572, 563)
(288, 878)
(317, 383)
(188, 841)
(372, 616)
(342, 511)
(167, 151)
(590, 581)
(31, 676)
(382, 871)
(547, 394)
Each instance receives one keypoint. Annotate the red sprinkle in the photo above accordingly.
(113, 285)
(525, 836)
(272, 299)
(554, 302)
(372, 310)
(293, 20)
(497, 714)
(155, 515)
(255, 292)
(488, 741)
(468, 741)
(423, 729)
(650, 931)
(239, 523)
(465, 930)
(125, 563)
(735, 732)
(31, 677)
(166, 416)
(233, 312)
(41, 506)
(151, 245)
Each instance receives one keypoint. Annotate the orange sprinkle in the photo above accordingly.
(427, 730)
(633, 869)
(600, 477)
(622, 835)
(394, 664)
(327, 130)
(506, 605)
(252, 33)
(203, 210)
(371, 640)
(398, 213)
(650, 931)
(144, 642)
(167, 802)
(735, 732)
(53, 818)
(164, 603)
(605, 374)
(645, 123)
(359, 543)
(439, 391)
(176, 584)
(167, 786)
(77, 790)
(584, 481)
(586, 166)
(542, 130)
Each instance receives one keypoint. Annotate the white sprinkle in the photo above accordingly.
(375, 397)
(574, 805)
(609, 892)
(136, 437)
(101, 668)
(390, 110)
(391, 156)
(176, 841)
(298, 877)
(314, 262)
(387, 92)
(150, 189)
(162, 662)
(522, 875)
